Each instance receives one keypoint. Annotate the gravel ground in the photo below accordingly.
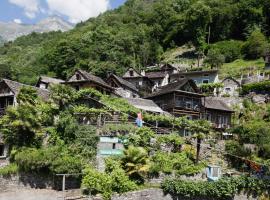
(31, 194)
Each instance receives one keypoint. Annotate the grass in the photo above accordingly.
(240, 66)
(9, 170)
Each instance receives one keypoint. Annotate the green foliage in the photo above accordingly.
(263, 86)
(9, 170)
(140, 138)
(51, 160)
(97, 183)
(119, 129)
(85, 143)
(136, 163)
(178, 163)
(22, 125)
(66, 126)
(136, 34)
(210, 87)
(106, 183)
(172, 141)
(255, 46)
(225, 188)
(230, 49)
(214, 58)
(62, 95)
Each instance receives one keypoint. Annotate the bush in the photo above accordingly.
(225, 188)
(174, 162)
(106, 183)
(9, 170)
(260, 87)
(230, 49)
(51, 160)
(255, 45)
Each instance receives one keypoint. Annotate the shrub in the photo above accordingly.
(9, 170)
(50, 160)
(106, 183)
(174, 162)
(230, 49)
(259, 87)
(97, 183)
(225, 188)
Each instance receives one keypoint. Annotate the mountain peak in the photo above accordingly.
(12, 30)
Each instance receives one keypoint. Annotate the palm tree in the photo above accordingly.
(136, 163)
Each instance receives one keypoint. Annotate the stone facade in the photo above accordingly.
(36, 181)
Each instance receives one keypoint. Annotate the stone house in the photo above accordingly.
(45, 82)
(122, 87)
(199, 77)
(160, 74)
(217, 112)
(141, 82)
(231, 87)
(82, 79)
(181, 98)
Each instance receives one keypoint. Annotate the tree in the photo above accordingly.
(214, 58)
(62, 95)
(136, 163)
(199, 128)
(255, 45)
(5, 71)
(21, 126)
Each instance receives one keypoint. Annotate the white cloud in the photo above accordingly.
(17, 21)
(78, 10)
(31, 7)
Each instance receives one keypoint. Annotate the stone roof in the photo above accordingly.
(46, 79)
(216, 104)
(155, 74)
(175, 86)
(90, 77)
(144, 104)
(195, 73)
(234, 80)
(16, 87)
(124, 82)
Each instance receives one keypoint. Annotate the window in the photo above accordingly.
(114, 146)
(182, 76)
(206, 75)
(205, 80)
(208, 117)
(227, 89)
(140, 83)
(77, 87)
(78, 77)
(2, 150)
(131, 73)
(188, 105)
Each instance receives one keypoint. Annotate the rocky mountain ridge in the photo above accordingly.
(10, 30)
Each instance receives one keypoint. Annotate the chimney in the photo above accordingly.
(143, 73)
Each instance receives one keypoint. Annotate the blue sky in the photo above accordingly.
(32, 11)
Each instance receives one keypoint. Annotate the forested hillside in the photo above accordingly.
(137, 34)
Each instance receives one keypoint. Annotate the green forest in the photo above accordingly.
(138, 34)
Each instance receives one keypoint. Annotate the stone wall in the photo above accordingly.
(157, 194)
(36, 181)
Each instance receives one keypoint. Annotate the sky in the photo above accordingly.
(74, 11)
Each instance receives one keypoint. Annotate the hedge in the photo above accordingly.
(223, 189)
(260, 87)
